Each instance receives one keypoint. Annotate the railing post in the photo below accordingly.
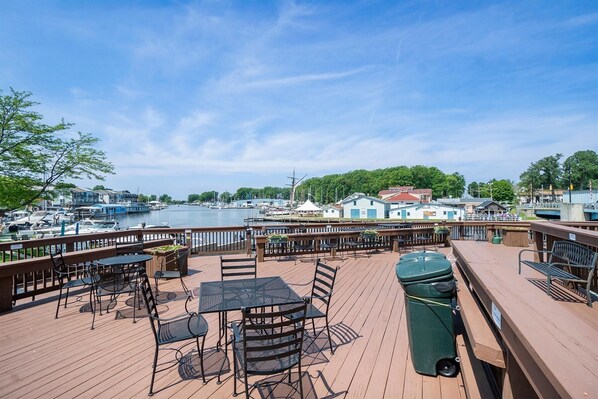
(248, 242)
(5, 294)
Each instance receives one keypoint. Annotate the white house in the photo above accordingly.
(331, 212)
(426, 212)
(361, 206)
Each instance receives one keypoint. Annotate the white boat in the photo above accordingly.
(92, 226)
(157, 205)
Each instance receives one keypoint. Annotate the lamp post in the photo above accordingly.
(570, 185)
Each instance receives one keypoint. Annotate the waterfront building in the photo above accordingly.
(361, 206)
(431, 211)
(423, 194)
(332, 212)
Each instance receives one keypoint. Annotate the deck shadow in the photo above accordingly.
(278, 386)
(558, 291)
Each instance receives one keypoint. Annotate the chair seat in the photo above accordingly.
(168, 274)
(311, 312)
(80, 282)
(270, 366)
(180, 330)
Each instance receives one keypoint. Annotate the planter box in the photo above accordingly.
(154, 265)
(515, 238)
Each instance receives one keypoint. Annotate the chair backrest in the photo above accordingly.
(177, 259)
(150, 303)
(323, 283)
(58, 262)
(233, 268)
(272, 347)
(129, 248)
(573, 253)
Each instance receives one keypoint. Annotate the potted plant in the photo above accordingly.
(164, 255)
(370, 236)
(277, 238)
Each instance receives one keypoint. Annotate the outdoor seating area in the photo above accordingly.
(364, 324)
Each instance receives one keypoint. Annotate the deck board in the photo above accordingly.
(44, 357)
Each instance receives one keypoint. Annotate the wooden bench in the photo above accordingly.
(479, 344)
(564, 258)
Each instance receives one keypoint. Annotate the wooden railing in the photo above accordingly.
(25, 267)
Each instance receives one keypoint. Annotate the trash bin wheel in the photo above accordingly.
(447, 367)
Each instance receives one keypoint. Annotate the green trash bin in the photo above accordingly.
(430, 290)
(418, 254)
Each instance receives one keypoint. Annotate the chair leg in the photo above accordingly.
(156, 283)
(200, 352)
(93, 310)
(300, 382)
(151, 390)
(313, 324)
(246, 385)
(235, 371)
(184, 286)
(66, 298)
(329, 337)
(58, 306)
(134, 305)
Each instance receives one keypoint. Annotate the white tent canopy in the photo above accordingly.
(308, 206)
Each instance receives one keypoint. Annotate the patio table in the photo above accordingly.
(228, 295)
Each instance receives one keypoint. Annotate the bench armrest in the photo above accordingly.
(533, 251)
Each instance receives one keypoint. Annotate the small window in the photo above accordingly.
(354, 202)
(408, 213)
(371, 202)
(444, 213)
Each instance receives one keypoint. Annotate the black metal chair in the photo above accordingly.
(237, 268)
(186, 326)
(331, 245)
(112, 282)
(322, 288)
(175, 263)
(234, 268)
(63, 272)
(305, 246)
(261, 347)
(129, 248)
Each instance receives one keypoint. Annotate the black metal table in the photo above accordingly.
(224, 296)
(227, 295)
(124, 260)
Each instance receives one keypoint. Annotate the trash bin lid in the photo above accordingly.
(417, 254)
(422, 268)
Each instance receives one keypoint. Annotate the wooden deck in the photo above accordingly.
(44, 357)
(552, 338)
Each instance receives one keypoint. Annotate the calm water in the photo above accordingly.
(189, 216)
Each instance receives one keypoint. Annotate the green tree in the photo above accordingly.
(583, 166)
(503, 191)
(192, 198)
(167, 199)
(225, 197)
(142, 198)
(35, 156)
(545, 173)
(208, 196)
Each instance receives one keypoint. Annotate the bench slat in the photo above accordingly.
(484, 342)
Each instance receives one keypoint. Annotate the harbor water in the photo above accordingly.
(189, 216)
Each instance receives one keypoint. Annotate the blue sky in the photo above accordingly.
(188, 97)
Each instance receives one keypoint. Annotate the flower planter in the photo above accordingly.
(515, 237)
(160, 256)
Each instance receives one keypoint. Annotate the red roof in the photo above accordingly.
(403, 197)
